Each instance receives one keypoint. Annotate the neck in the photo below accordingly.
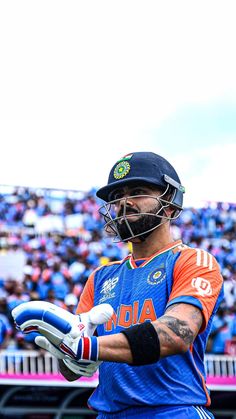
(156, 241)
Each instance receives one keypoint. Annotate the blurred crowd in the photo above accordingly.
(50, 242)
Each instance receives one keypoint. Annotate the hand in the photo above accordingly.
(65, 335)
(84, 368)
(48, 319)
(79, 368)
(55, 323)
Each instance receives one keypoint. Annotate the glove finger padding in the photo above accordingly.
(65, 335)
(80, 368)
(85, 368)
(54, 322)
(45, 344)
(99, 314)
(48, 319)
(87, 347)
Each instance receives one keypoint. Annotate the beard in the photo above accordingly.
(140, 227)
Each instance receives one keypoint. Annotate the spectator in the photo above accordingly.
(51, 298)
(6, 329)
(221, 332)
(71, 302)
(80, 247)
(18, 297)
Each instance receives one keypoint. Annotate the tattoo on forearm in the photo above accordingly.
(165, 336)
(195, 314)
(179, 327)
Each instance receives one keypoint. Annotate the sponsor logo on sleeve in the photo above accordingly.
(203, 286)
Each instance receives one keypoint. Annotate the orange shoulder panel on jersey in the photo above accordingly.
(86, 301)
(87, 296)
(197, 274)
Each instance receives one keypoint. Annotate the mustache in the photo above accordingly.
(128, 210)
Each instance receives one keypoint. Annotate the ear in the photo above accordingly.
(170, 211)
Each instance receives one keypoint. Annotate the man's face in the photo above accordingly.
(135, 208)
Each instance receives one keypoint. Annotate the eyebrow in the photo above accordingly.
(130, 187)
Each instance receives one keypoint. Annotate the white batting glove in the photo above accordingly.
(80, 368)
(66, 336)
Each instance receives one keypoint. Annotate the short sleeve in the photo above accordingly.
(86, 301)
(197, 281)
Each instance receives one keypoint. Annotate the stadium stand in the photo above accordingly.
(50, 242)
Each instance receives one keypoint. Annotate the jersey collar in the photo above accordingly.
(130, 261)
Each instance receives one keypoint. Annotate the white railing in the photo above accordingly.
(33, 365)
(35, 368)
(27, 363)
(220, 365)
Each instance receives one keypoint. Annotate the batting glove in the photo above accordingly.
(63, 334)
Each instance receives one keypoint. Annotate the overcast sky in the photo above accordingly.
(83, 83)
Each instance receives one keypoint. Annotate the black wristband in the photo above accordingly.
(144, 343)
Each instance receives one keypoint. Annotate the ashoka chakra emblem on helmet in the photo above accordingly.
(121, 170)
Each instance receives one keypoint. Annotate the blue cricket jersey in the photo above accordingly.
(140, 292)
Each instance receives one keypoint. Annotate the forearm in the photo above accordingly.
(116, 348)
(146, 343)
(176, 331)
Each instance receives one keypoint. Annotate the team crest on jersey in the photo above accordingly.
(156, 277)
(121, 169)
(107, 288)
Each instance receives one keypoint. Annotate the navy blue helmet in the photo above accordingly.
(144, 167)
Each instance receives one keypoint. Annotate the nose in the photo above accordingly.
(122, 205)
(127, 198)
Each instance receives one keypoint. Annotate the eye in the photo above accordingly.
(138, 191)
(116, 195)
